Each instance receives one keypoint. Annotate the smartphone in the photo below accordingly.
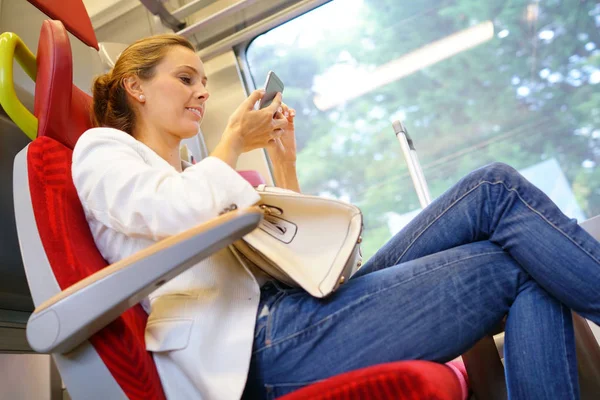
(273, 85)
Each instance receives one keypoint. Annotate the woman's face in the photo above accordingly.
(175, 96)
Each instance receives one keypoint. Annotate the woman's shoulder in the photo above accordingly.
(95, 136)
(103, 138)
(102, 145)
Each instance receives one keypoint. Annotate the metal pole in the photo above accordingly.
(414, 167)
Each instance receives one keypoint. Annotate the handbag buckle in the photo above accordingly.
(271, 210)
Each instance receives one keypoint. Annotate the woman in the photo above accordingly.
(492, 245)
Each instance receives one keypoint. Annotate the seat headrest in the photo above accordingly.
(62, 109)
(73, 14)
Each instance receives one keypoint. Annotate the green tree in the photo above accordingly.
(527, 95)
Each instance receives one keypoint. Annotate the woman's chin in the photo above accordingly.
(190, 130)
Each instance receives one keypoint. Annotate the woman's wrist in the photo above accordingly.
(229, 148)
(284, 172)
(280, 159)
(282, 162)
(233, 139)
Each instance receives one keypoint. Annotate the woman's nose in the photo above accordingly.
(203, 94)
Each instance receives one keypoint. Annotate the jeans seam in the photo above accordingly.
(566, 350)
(367, 297)
(544, 218)
(519, 197)
(434, 221)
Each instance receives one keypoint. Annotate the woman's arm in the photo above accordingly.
(282, 152)
(126, 187)
(228, 149)
(285, 175)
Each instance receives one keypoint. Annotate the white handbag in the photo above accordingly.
(305, 241)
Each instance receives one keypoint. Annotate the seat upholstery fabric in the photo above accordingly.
(407, 380)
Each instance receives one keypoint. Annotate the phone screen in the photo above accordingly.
(273, 85)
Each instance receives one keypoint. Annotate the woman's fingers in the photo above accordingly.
(288, 112)
(253, 98)
(280, 123)
(275, 104)
(279, 115)
(284, 109)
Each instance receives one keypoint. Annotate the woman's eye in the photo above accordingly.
(185, 79)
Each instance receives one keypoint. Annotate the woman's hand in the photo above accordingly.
(283, 148)
(250, 129)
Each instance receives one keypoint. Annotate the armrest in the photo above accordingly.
(72, 316)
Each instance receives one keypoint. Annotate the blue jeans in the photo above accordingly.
(492, 245)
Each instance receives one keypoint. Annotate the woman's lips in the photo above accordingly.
(198, 112)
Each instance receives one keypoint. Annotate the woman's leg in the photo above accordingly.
(539, 347)
(431, 308)
(496, 203)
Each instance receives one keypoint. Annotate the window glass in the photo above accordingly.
(474, 82)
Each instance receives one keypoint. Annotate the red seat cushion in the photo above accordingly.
(406, 380)
(73, 256)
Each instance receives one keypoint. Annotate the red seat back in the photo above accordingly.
(64, 114)
(62, 109)
(73, 14)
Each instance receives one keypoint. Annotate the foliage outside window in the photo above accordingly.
(521, 88)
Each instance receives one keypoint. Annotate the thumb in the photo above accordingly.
(274, 106)
(253, 98)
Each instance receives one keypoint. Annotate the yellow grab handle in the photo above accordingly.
(11, 46)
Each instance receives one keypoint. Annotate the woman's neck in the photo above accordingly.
(163, 144)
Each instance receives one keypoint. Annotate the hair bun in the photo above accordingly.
(101, 93)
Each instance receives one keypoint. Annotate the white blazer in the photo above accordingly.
(201, 323)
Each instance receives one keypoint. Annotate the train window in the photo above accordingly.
(474, 82)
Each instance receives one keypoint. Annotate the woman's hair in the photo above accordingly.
(111, 107)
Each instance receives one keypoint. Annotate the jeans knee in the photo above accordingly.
(498, 171)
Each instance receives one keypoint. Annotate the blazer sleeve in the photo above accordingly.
(118, 188)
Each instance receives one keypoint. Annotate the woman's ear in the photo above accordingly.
(132, 85)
